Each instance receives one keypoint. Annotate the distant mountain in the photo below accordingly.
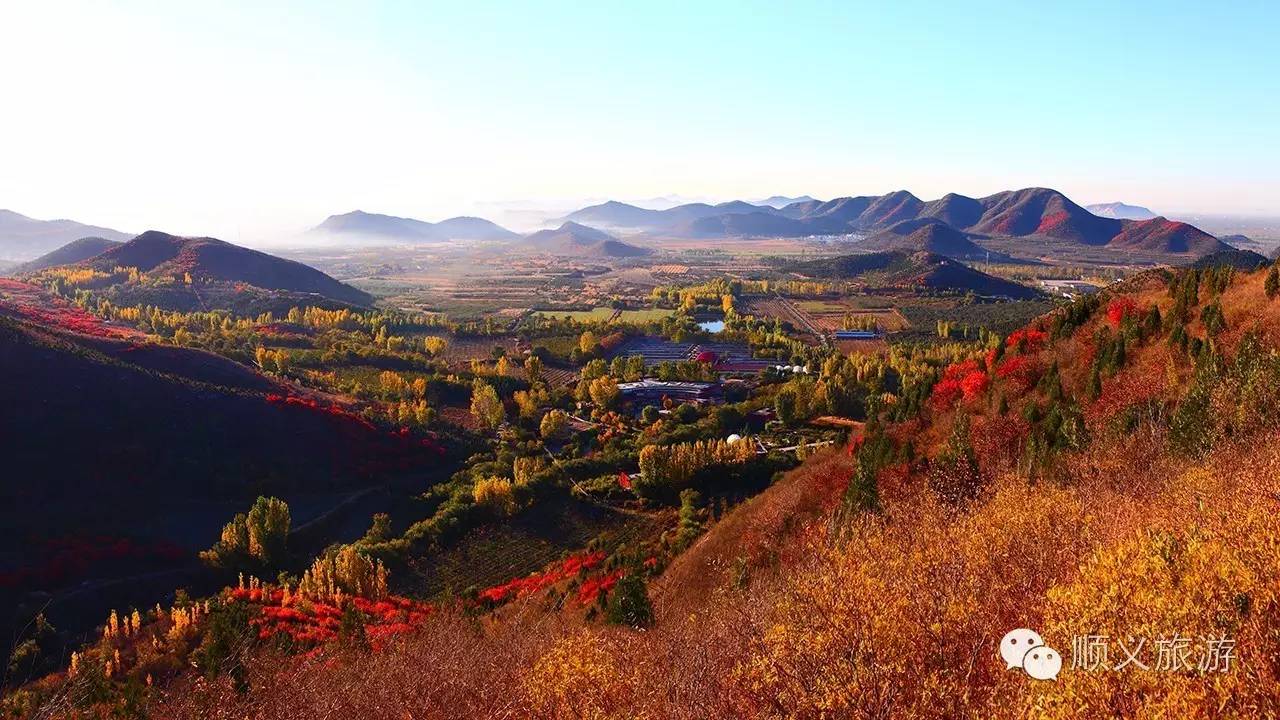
(919, 270)
(207, 260)
(781, 201)
(1030, 212)
(575, 240)
(23, 238)
(621, 215)
(73, 252)
(617, 214)
(753, 224)
(927, 235)
(360, 224)
(1120, 211)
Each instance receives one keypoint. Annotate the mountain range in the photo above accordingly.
(573, 239)
(1030, 212)
(23, 238)
(360, 224)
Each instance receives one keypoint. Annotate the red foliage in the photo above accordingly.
(592, 588)
(537, 582)
(964, 379)
(28, 302)
(1049, 223)
(975, 385)
(1121, 308)
(1020, 371)
(945, 394)
(311, 622)
(404, 438)
(1027, 340)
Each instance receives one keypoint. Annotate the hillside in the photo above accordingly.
(927, 235)
(1050, 481)
(172, 440)
(360, 225)
(919, 270)
(23, 238)
(1169, 236)
(73, 252)
(159, 256)
(574, 240)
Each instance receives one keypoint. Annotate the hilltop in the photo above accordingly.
(23, 238)
(187, 273)
(359, 224)
(920, 270)
(572, 239)
(928, 235)
(73, 252)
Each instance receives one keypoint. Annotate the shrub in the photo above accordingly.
(629, 602)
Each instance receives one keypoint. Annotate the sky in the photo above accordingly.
(258, 119)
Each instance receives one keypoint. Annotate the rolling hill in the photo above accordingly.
(372, 226)
(572, 239)
(73, 252)
(208, 260)
(927, 235)
(23, 238)
(918, 270)
(1169, 236)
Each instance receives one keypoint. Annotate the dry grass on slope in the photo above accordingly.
(753, 539)
(899, 620)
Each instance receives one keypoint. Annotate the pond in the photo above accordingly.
(712, 326)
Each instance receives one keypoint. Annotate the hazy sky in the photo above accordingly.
(246, 120)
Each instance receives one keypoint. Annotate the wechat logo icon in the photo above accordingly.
(1024, 648)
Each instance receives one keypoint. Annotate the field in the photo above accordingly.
(826, 315)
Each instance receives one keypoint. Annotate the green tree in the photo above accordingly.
(380, 530)
(649, 415)
(268, 523)
(688, 527)
(255, 541)
(1272, 284)
(629, 602)
(785, 405)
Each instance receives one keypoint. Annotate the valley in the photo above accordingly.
(580, 429)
